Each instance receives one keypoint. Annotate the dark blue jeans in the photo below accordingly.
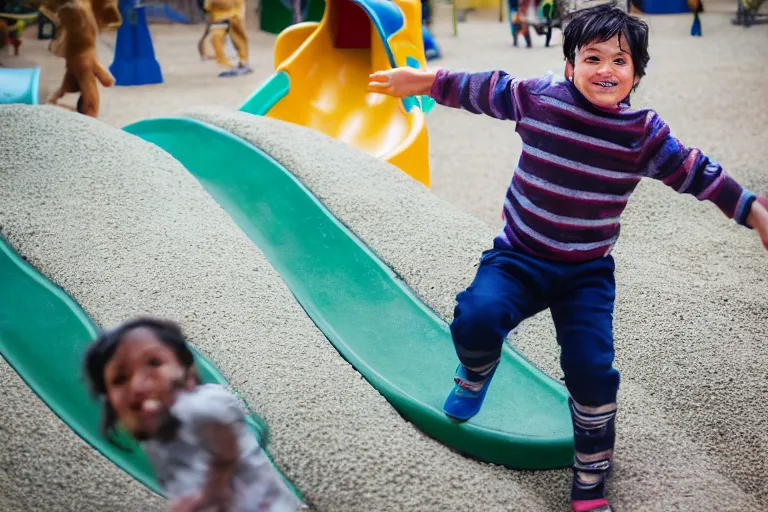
(511, 286)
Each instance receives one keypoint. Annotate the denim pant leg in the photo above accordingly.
(583, 316)
(505, 291)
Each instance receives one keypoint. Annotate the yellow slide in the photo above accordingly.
(321, 80)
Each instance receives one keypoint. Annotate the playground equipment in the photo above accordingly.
(375, 322)
(662, 6)
(321, 79)
(134, 61)
(431, 50)
(277, 15)
(15, 23)
(747, 13)
(20, 85)
(696, 7)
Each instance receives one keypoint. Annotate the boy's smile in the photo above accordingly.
(603, 72)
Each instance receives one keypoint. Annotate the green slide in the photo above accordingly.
(43, 336)
(372, 318)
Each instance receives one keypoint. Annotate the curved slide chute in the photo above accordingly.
(364, 309)
(43, 336)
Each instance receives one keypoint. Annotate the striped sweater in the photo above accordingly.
(580, 163)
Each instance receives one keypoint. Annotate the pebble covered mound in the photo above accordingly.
(125, 230)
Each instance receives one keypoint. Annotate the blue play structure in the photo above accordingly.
(19, 85)
(662, 6)
(135, 62)
(696, 26)
(431, 51)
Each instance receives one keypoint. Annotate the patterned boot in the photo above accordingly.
(594, 435)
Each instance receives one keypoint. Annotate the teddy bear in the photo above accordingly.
(226, 17)
(78, 23)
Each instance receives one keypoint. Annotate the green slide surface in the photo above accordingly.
(44, 334)
(365, 310)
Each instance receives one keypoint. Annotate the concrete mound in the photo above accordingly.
(125, 230)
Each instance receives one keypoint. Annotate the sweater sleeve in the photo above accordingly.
(493, 93)
(688, 171)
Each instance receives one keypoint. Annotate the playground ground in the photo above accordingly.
(691, 321)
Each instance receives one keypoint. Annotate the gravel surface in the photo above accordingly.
(692, 308)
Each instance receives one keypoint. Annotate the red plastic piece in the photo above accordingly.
(353, 27)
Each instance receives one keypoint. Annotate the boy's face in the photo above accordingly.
(142, 379)
(603, 71)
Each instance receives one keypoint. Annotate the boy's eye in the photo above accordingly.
(592, 59)
(118, 380)
(619, 61)
(154, 362)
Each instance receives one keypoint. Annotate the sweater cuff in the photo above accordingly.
(436, 90)
(743, 208)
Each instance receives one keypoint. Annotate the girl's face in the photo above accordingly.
(603, 72)
(142, 379)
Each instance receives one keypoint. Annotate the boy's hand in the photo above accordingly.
(758, 218)
(402, 82)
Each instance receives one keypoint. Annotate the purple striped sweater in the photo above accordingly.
(580, 163)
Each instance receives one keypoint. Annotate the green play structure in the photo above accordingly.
(364, 309)
(277, 15)
(43, 336)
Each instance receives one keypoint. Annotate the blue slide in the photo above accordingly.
(19, 85)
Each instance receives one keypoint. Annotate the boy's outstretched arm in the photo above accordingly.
(492, 93)
(688, 171)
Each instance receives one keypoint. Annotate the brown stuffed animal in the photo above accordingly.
(78, 23)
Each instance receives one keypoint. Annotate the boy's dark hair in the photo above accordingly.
(601, 23)
(104, 347)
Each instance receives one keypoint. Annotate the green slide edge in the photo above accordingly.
(364, 309)
(43, 336)
(275, 88)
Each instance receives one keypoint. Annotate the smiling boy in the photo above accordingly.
(584, 152)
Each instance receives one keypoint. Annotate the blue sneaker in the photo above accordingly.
(463, 403)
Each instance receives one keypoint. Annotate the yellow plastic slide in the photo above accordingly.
(321, 80)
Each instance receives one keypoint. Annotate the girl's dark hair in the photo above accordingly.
(104, 347)
(601, 23)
